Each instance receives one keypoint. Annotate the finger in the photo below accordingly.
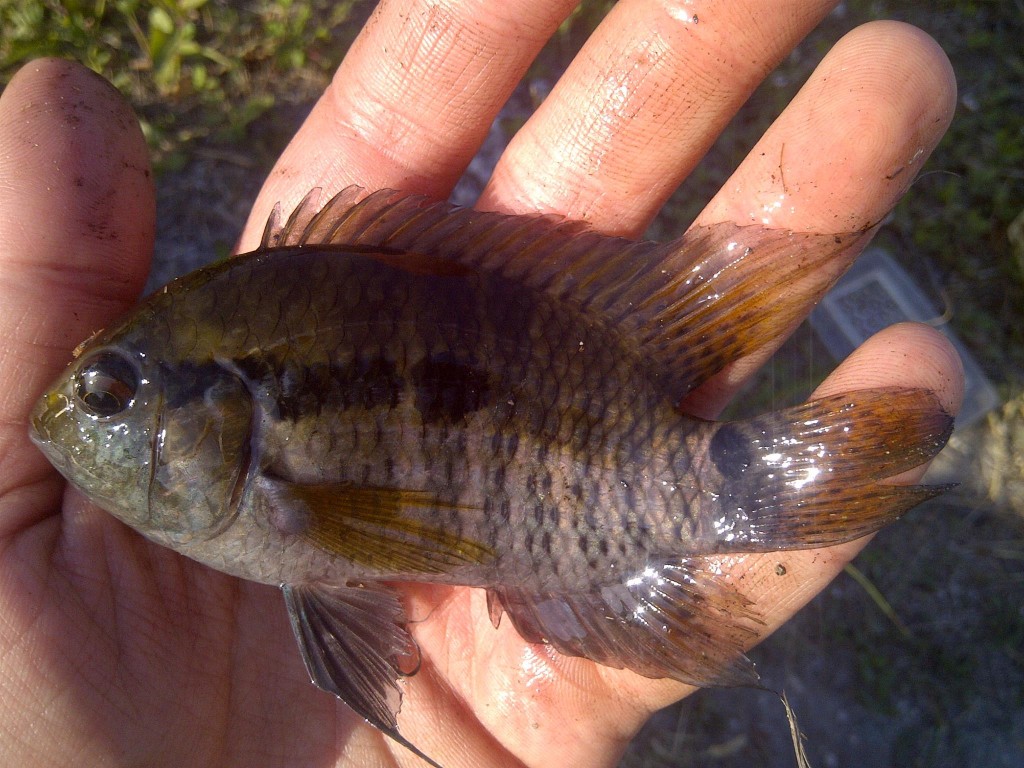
(413, 99)
(840, 156)
(850, 144)
(641, 104)
(76, 227)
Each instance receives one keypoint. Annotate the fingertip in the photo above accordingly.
(77, 210)
(905, 355)
(909, 95)
(852, 140)
(927, 65)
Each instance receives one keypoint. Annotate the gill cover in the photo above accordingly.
(201, 450)
(162, 446)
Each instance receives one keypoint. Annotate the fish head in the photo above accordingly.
(160, 444)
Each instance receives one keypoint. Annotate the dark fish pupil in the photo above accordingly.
(106, 384)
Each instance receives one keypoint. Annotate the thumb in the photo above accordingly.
(77, 217)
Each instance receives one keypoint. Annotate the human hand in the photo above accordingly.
(126, 652)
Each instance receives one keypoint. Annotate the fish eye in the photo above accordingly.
(106, 384)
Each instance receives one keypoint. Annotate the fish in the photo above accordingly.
(393, 389)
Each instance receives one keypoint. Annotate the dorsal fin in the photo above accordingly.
(693, 305)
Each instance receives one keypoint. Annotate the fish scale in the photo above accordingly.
(394, 389)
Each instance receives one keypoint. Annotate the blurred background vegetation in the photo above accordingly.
(912, 658)
(196, 71)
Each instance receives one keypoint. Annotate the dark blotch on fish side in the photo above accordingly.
(731, 451)
(447, 390)
(302, 390)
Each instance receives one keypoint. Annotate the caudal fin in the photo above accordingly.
(815, 475)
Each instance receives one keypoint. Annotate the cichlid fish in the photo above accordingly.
(394, 389)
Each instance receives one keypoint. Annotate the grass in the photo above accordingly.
(913, 657)
(195, 70)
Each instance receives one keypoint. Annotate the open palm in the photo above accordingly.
(115, 651)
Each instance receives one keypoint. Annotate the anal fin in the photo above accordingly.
(352, 640)
(678, 620)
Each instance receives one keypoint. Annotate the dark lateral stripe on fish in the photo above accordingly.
(445, 391)
(301, 391)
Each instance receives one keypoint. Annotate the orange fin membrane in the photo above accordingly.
(813, 475)
(692, 305)
(677, 620)
(376, 527)
(352, 641)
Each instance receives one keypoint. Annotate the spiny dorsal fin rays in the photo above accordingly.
(693, 305)
(272, 229)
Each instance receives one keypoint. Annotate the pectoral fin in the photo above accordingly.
(676, 620)
(353, 641)
(383, 528)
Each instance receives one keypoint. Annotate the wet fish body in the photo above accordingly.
(392, 389)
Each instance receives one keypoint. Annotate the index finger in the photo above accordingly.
(412, 101)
